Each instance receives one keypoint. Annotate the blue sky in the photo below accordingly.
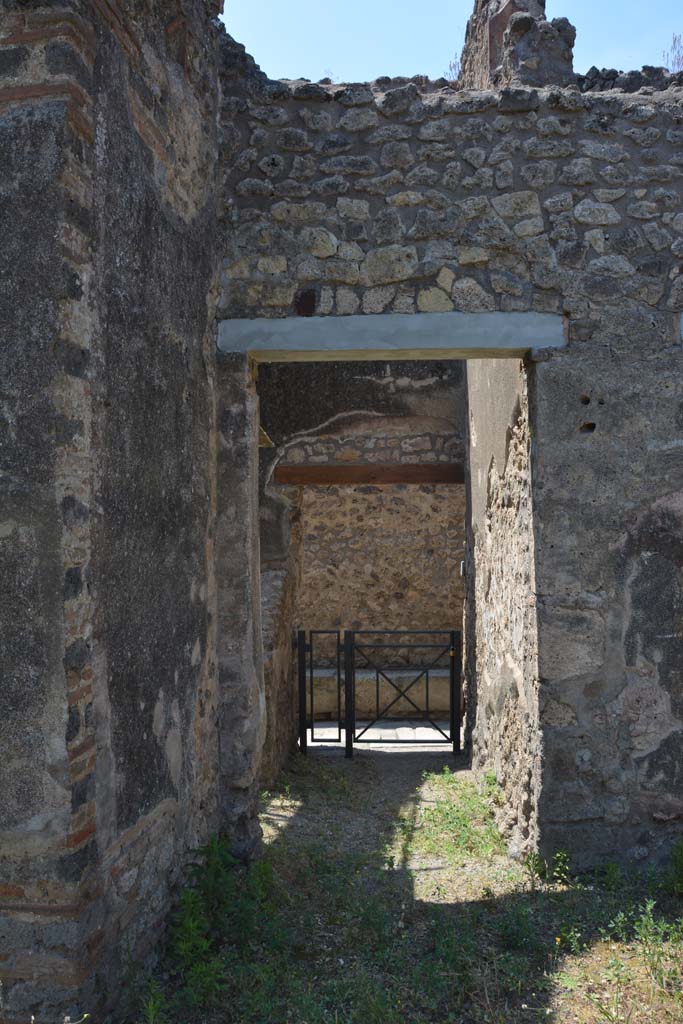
(358, 40)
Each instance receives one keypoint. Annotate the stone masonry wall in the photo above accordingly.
(109, 768)
(45, 437)
(607, 478)
(403, 196)
(382, 557)
(502, 644)
(134, 707)
(154, 424)
(482, 54)
(280, 588)
(389, 445)
(396, 198)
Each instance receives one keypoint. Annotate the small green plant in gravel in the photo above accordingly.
(559, 869)
(613, 877)
(517, 929)
(661, 943)
(534, 869)
(217, 919)
(193, 950)
(610, 1007)
(154, 1007)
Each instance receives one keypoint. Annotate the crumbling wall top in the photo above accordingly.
(512, 42)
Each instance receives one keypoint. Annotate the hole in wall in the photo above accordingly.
(587, 428)
(585, 400)
(305, 302)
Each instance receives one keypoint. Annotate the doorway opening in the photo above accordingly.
(362, 525)
(498, 353)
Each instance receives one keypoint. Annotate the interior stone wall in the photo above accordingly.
(377, 442)
(502, 679)
(382, 557)
(319, 544)
(375, 412)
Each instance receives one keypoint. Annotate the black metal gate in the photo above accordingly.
(367, 684)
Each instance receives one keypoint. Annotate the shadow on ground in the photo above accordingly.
(384, 896)
(398, 904)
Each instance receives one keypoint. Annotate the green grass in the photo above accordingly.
(347, 919)
(460, 823)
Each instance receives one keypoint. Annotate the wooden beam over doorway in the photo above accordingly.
(352, 474)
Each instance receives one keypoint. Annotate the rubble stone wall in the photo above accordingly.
(382, 557)
(109, 768)
(402, 199)
(607, 477)
(404, 196)
(389, 445)
(502, 641)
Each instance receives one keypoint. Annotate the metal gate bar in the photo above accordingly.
(356, 645)
(404, 694)
(306, 681)
(312, 666)
(301, 666)
(349, 691)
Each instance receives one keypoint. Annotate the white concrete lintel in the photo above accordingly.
(392, 336)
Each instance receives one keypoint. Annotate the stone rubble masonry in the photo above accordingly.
(382, 557)
(108, 779)
(156, 178)
(515, 199)
(510, 42)
(471, 201)
(502, 644)
(386, 445)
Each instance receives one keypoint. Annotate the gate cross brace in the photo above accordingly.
(399, 691)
